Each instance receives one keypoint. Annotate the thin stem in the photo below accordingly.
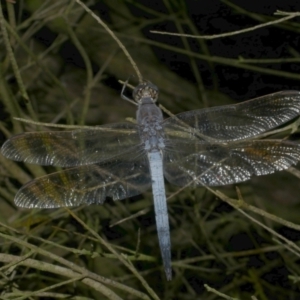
(231, 33)
(112, 34)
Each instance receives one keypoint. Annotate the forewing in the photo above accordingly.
(122, 177)
(221, 163)
(72, 148)
(236, 122)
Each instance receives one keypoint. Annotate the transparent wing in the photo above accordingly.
(235, 122)
(222, 163)
(122, 177)
(72, 148)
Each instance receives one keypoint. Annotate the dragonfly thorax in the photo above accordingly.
(149, 117)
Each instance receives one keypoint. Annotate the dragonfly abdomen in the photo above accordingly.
(161, 211)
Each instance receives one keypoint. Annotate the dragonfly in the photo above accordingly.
(207, 147)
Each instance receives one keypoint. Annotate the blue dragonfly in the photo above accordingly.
(206, 147)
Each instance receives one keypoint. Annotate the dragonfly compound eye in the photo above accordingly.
(145, 89)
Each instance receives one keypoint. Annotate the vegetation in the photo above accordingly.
(60, 65)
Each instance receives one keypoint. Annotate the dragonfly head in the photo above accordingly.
(145, 90)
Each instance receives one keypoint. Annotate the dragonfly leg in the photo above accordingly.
(122, 92)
